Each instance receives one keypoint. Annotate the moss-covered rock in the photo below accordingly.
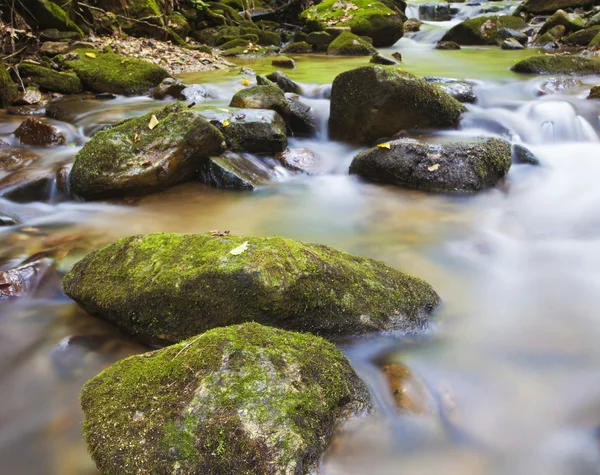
(249, 130)
(109, 72)
(168, 287)
(595, 42)
(552, 64)
(243, 399)
(348, 44)
(262, 97)
(50, 80)
(458, 167)
(374, 101)
(283, 82)
(462, 91)
(44, 14)
(570, 21)
(179, 24)
(550, 38)
(482, 30)
(233, 171)
(235, 43)
(582, 37)
(131, 158)
(364, 17)
(550, 6)
(8, 89)
(300, 47)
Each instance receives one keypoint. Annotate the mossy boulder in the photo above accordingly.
(249, 130)
(594, 93)
(462, 91)
(168, 287)
(456, 167)
(109, 72)
(364, 18)
(245, 399)
(131, 158)
(375, 101)
(482, 30)
(43, 14)
(348, 44)
(582, 37)
(8, 89)
(570, 21)
(262, 97)
(49, 80)
(550, 6)
(299, 47)
(552, 64)
(283, 82)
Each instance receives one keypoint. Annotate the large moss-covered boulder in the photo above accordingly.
(550, 6)
(482, 30)
(457, 167)
(43, 14)
(109, 72)
(8, 89)
(582, 37)
(167, 287)
(551, 64)
(245, 399)
(249, 130)
(132, 158)
(570, 21)
(262, 97)
(348, 44)
(364, 17)
(375, 101)
(49, 80)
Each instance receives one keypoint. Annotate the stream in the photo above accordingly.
(514, 349)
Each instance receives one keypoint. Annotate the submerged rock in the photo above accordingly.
(522, 154)
(461, 90)
(447, 45)
(36, 132)
(558, 85)
(300, 160)
(109, 72)
(457, 167)
(553, 64)
(364, 18)
(198, 283)
(249, 130)
(482, 30)
(50, 80)
(232, 171)
(13, 158)
(348, 44)
(244, 399)
(131, 158)
(511, 44)
(376, 101)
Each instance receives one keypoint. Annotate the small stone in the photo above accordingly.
(511, 44)
(299, 160)
(30, 96)
(283, 62)
(381, 59)
(36, 132)
(52, 48)
(169, 87)
(447, 45)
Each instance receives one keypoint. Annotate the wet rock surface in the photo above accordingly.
(36, 132)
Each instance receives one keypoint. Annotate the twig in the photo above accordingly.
(16, 53)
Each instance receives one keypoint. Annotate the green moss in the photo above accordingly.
(108, 72)
(549, 6)
(269, 38)
(244, 399)
(300, 47)
(50, 80)
(571, 22)
(49, 15)
(8, 89)
(348, 44)
(172, 286)
(364, 17)
(551, 64)
(482, 30)
(235, 43)
(262, 97)
(582, 37)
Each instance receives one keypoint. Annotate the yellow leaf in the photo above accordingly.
(90, 55)
(136, 138)
(226, 123)
(238, 250)
(222, 109)
(399, 69)
(384, 145)
(433, 168)
(153, 122)
(245, 82)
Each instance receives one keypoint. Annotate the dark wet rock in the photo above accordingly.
(511, 44)
(30, 96)
(412, 25)
(233, 171)
(36, 109)
(26, 185)
(348, 44)
(521, 154)
(283, 62)
(447, 45)
(249, 130)
(320, 39)
(301, 121)
(169, 87)
(109, 72)
(458, 167)
(105, 96)
(14, 158)
(482, 30)
(36, 132)
(507, 33)
(300, 160)
(300, 47)
(284, 83)
(594, 93)
(552, 64)
(550, 6)
(52, 48)
(199, 284)
(435, 12)
(397, 56)
(558, 85)
(22, 280)
(364, 18)
(582, 37)
(52, 34)
(462, 91)
(62, 178)
(377, 101)
(195, 93)
(50, 80)
(8, 89)
(244, 399)
(381, 59)
(131, 158)
(7, 220)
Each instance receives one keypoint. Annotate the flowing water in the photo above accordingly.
(513, 362)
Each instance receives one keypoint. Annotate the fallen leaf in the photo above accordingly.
(241, 248)
(399, 69)
(245, 82)
(384, 145)
(90, 55)
(433, 168)
(153, 122)
(222, 109)
(226, 123)
(136, 138)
